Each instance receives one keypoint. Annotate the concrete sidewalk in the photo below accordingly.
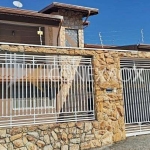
(131, 143)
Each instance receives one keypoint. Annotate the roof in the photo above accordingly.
(144, 46)
(136, 47)
(55, 6)
(98, 46)
(13, 14)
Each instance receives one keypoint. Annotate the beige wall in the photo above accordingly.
(55, 34)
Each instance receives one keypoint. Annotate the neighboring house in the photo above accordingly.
(58, 93)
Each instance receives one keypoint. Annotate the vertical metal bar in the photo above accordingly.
(74, 90)
(44, 91)
(124, 92)
(26, 65)
(77, 88)
(3, 89)
(52, 89)
(30, 90)
(57, 82)
(147, 93)
(132, 97)
(41, 76)
(83, 90)
(23, 98)
(68, 97)
(57, 85)
(10, 87)
(89, 87)
(141, 93)
(72, 97)
(80, 96)
(48, 99)
(33, 81)
(18, 99)
(23, 89)
(67, 69)
(127, 74)
(144, 95)
(138, 105)
(139, 98)
(15, 79)
(92, 90)
(62, 97)
(55, 79)
(37, 89)
(6, 87)
(129, 97)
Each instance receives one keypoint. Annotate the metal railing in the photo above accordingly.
(136, 95)
(45, 89)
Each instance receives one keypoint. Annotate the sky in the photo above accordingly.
(119, 22)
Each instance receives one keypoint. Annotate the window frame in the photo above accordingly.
(77, 33)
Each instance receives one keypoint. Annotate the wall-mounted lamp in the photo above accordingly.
(13, 33)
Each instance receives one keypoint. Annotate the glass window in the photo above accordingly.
(72, 38)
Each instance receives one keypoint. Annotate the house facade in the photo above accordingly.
(57, 94)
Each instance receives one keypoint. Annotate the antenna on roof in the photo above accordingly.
(18, 4)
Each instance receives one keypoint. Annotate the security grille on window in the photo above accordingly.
(72, 38)
(36, 89)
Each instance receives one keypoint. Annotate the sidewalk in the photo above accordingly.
(131, 143)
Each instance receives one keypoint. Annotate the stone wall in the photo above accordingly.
(64, 136)
(109, 125)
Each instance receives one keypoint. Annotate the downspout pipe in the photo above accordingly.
(86, 25)
(60, 24)
(89, 12)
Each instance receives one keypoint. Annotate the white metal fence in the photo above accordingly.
(136, 93)
(44, 89)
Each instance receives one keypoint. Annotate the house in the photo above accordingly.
(58, 26)
(58, 93)
(29, 77)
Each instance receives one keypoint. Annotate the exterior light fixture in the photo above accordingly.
(13, 33)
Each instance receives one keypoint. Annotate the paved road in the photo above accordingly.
(131, 143)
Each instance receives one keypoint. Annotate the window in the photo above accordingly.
(72, 38)
(27, 95)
